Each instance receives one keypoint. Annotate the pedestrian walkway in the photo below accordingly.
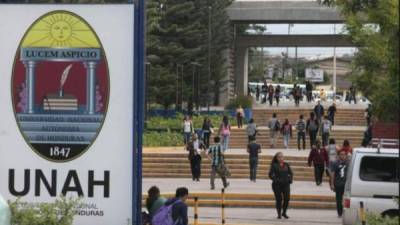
(240, 216)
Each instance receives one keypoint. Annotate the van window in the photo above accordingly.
(383, 169)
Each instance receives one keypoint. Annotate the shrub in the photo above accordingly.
(244, 101)
(61, 212)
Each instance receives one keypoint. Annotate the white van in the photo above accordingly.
(372, 178)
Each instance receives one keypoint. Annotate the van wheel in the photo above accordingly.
(391, 213)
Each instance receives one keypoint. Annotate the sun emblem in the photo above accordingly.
(63, 30)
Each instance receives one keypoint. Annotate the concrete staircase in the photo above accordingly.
(256, 200)
(176, 165)
(239, 138)
(344, 116)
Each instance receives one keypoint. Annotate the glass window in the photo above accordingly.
(383, 169)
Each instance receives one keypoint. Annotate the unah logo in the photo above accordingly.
(60, 86)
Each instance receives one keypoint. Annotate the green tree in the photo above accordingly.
(177, 35)
(373, 25)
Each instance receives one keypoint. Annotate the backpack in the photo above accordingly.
(312, 125)
(277, 126)
(251, 130)
(164, 215)
(326, 127)
(301, 126)
(225, 130)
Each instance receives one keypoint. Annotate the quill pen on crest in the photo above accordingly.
(64, 75)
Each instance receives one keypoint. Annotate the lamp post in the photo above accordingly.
(194, 64)
(209, 57)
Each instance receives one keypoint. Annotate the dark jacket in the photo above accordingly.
(280, 175)
(318, 157)
(179, 211)
(319, 111)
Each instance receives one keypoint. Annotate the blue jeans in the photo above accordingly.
(186, 137)
(286, 138)
(253, 167)
(225, 142)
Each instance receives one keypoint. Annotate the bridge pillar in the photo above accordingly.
(241, 70)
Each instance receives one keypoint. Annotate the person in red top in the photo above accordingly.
(319, 158)
(347, 148)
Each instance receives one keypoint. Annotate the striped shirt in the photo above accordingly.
(216, 154)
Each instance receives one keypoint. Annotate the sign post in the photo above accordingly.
(72, 107)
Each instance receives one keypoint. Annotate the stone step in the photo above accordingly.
(234, 176)
(228, 156)
(234, 171)
(229, 161)
(256, 200)
(186, 166)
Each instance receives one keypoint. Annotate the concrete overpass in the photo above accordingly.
(276, 12)
(263, 11)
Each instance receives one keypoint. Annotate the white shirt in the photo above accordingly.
(187, 126)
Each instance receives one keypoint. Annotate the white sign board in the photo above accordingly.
(314, 75)
(66, 93)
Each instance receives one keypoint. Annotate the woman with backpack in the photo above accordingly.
(207, 129)
(274, 128)
(281, 176)
(225, 132)
(286, 131)
(154, 201)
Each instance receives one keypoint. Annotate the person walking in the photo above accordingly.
(297, 95)
(179, 207)
(312, 128)
(187, 129)
(301, 132)
(253, 149)
(195, 148)
(322, 95)
(270, 94)
(277, 94)
(319, 158)
(338, 179)
(264, 90)
(251, 130)
(239, 116)
(368, 114)
(154, 201)
(282, 176)
(367, 137)
(257, 93)
(332, 150)
(352, 94)
(225, 132)
(207, 129)
(309, 91)
(347, 148)
(216, 155)
(274, 128)
(331, 113)
(286, 131)
(325, 130)
(319, 111)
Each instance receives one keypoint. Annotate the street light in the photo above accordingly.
(194, 64)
